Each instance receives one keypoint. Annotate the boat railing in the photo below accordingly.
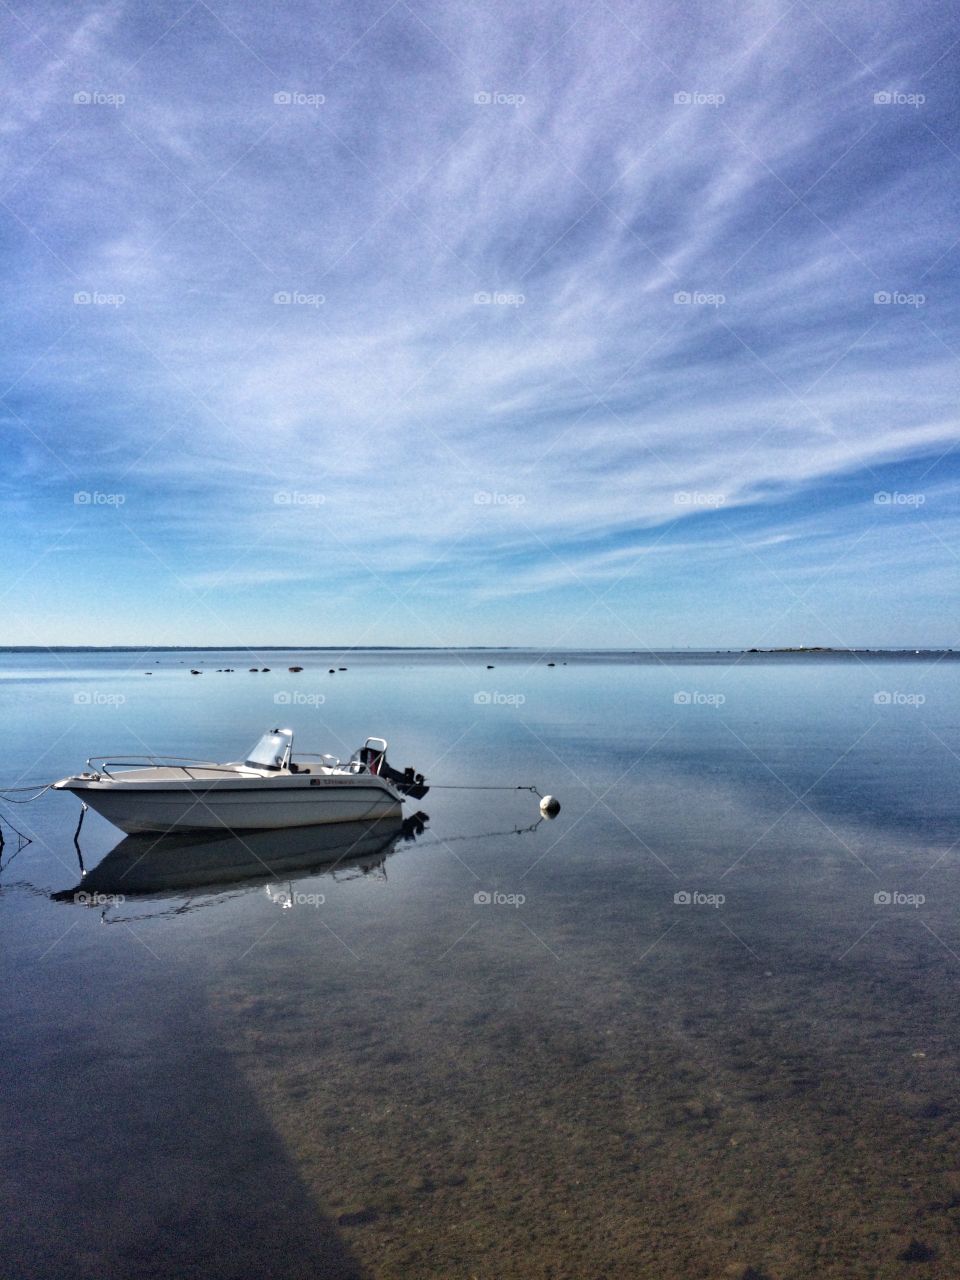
(104, 764)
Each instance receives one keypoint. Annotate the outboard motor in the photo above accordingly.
(373, 756)
(410, 783)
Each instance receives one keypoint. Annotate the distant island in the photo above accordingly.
(819, 648)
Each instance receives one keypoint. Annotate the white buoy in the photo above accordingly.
(549, 806)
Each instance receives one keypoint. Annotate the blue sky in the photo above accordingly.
(454, 323)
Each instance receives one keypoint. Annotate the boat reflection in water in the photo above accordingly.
(201, 865)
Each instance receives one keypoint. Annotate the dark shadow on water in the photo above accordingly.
(147, 1155)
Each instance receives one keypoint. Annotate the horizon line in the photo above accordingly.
(458, 648)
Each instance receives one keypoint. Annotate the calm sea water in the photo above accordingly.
(705, 1023)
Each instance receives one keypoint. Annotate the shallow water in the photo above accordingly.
(706, 1026)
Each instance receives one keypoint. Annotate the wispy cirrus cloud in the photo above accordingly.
(477, 287)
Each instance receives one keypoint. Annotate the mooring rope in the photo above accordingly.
(469, 786)
(6, 793)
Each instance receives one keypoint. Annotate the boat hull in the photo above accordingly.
(148, 810)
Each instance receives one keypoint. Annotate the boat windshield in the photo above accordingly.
(272, 751)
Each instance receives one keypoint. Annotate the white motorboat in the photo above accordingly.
(266, 791)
